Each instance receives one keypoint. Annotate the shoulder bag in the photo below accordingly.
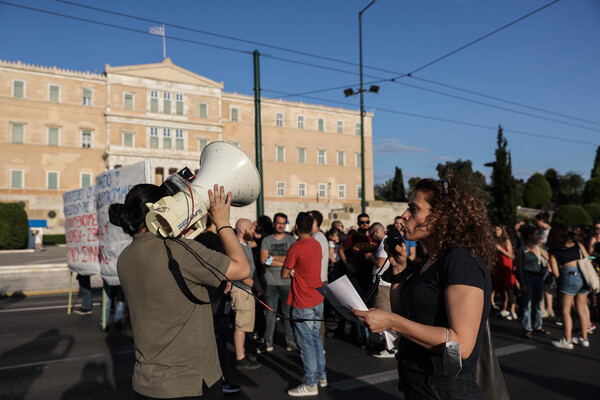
(488, 373)
(589, 273)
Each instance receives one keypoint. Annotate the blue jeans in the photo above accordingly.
(309, 341)
(535, 291)
(272, 295)
(85, 291)
(114, 293)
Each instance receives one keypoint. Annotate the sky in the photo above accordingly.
(538, 77)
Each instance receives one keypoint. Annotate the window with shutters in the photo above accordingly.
(16, 179)
(86, 139)
(18, 133)
(179, 104)
(167, 103)
(54, 93)
(87, 97)
(153, 137)
(179, 139)
(53, 136)
(19, 89)
(203, 110)
(153, 101)
(52, 180)
(128, 101)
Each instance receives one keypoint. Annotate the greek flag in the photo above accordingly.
(157, 30)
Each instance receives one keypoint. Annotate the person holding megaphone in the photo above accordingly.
(175, 347)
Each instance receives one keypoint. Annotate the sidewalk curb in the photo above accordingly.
(18, 269)
(37, 292)
(17, 251)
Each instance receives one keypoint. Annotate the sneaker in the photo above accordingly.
(244, 363)
(323, 382)
(512, 317)
(563, 344)
(559, 322)
(504, 313)
(304, 390)
(591, 328)
(264, 348)
(292, 346)
(495, 307)
(551, 313)
(545, 314)
(82, 311)
(384, 354)
(581, 341)
(229, 388)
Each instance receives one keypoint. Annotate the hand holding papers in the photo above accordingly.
(342, 295)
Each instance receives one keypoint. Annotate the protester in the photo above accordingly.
(303, 264)
(264, 228)
(564, 253)
(446, 297)
(85, 293)
(220, 304)
(530, 275)
(273, 250)
(320, 237)
(503, 277)
(242, 300)
(543, 222)
(174, 338)
(114, 295)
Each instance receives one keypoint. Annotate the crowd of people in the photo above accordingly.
(536, 267)
(434, 281)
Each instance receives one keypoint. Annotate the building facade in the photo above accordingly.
(59, 129)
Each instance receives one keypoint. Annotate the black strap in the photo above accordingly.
(174, 268)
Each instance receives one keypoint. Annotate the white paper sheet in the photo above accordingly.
(342, 295)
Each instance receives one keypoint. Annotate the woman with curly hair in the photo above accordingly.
(564, 253)
(444, 298)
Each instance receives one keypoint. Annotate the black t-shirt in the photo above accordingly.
(423, 300)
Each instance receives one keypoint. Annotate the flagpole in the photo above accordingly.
(164, 43)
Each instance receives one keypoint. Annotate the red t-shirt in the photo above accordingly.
(304, 258)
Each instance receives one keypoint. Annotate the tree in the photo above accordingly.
(519, 190)
(552, 177)
(594, 210)
(504, 205)
(398, 193)
(591, 192)
(537, 191)
(464, 168)
(596, 169)
(571, 215)
(392, 189)
(570, 188)
(412, 182)
(14, 226)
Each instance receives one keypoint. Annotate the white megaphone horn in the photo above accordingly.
(221, 163)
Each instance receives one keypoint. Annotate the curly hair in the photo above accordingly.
(458, 217)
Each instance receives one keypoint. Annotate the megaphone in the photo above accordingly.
(221, 163)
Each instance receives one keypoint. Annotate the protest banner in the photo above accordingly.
(112, 187)
(81, 230)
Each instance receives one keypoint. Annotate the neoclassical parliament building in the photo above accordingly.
(60, 128)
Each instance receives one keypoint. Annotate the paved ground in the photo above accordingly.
(30, 273)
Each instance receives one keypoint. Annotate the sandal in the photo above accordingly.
(542, 331)
(528, 334)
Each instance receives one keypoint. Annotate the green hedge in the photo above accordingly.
(571, 215)
(14, 227)
(55, 239)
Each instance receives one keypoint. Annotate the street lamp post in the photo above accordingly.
(363, 203)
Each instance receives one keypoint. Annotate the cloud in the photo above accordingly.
(391, 146)
(524, 173)
(443, 158)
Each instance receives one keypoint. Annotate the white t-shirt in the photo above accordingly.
(320, 237)
(381, 253)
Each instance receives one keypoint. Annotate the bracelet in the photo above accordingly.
(223, 227)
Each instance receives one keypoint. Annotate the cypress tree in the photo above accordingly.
(596, 169)
(503, 186)
(398, 193)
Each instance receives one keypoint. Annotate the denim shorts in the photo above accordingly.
(571, 282)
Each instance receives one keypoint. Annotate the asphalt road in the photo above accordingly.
(47, 354)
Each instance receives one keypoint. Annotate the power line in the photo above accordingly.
(480, 39)
(91, 21)
(379, 80)
(470, 124)
(506, 101)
